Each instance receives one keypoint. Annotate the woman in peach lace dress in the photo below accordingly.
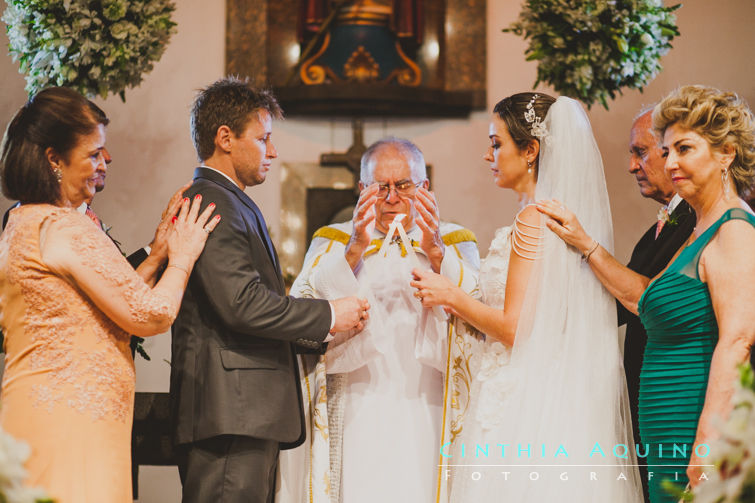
(70, 300)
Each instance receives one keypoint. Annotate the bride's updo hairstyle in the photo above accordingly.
(512, 110)
(722, 118)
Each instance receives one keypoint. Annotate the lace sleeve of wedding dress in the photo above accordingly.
(72, 247)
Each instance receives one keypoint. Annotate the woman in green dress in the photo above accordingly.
(698, 311)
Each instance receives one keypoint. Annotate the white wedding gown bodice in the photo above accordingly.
(499, 413)
(491, 367)
(494, 269)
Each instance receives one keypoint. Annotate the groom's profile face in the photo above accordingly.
(253, 150)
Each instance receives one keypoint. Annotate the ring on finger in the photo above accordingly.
(206, 230)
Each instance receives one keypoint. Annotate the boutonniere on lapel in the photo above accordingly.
(666, 217)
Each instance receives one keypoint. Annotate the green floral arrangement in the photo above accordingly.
(733, 454)
(94, 46)
(591, 49)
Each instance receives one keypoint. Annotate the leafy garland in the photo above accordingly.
(591, 49)
(94, 46)
(733, 453)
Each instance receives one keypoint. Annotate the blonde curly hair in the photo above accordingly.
(722, 118)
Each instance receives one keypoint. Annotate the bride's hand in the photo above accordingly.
(565, 225)
(433, 289)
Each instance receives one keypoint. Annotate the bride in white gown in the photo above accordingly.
(547, 419)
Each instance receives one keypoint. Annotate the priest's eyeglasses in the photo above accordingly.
(404, 188)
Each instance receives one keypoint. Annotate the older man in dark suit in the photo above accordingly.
(234, 378)
(653, 251)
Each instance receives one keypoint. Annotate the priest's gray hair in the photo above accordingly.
(646, 109)
(409, 150)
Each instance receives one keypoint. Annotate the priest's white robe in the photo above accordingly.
(376, 398)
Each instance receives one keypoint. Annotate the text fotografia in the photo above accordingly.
(534, 476)
(543, 451)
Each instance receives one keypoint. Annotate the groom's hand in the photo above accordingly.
(350, 312)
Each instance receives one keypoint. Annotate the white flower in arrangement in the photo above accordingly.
(13, 454)
(627, 69)
(96, 47)
(733, 453)
(620, 41)
(584, 72)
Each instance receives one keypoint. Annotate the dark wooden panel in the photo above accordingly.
(466, 48)
(245, 40)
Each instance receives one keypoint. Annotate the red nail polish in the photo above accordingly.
(173, 220)
(186, 199)
(198, 196)
(217, 217)
(212, 205)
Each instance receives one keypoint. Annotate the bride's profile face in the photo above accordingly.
(508, 163)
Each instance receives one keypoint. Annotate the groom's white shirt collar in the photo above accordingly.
(220, 172)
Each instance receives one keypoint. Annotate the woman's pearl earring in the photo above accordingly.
(529, 167)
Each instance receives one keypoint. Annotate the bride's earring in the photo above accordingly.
(529, 167)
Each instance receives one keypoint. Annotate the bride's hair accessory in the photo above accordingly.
(538, 128)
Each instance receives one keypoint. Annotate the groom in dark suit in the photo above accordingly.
(654, 250)
(234, 384)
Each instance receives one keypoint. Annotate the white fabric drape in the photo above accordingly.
(374, 401)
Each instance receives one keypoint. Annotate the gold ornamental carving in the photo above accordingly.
(361, 66)
(312, 74)
(411, 76)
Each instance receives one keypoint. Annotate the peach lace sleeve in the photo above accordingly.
(78, 251)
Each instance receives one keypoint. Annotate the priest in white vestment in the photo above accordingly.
(376, 398)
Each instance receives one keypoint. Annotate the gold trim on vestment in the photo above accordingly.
(327, 250)
(332, 234)
(441, 462)
(311, 412)
(459, 236)
(452, 238)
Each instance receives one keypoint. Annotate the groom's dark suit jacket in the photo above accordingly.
(649, 257)
(233, 368)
